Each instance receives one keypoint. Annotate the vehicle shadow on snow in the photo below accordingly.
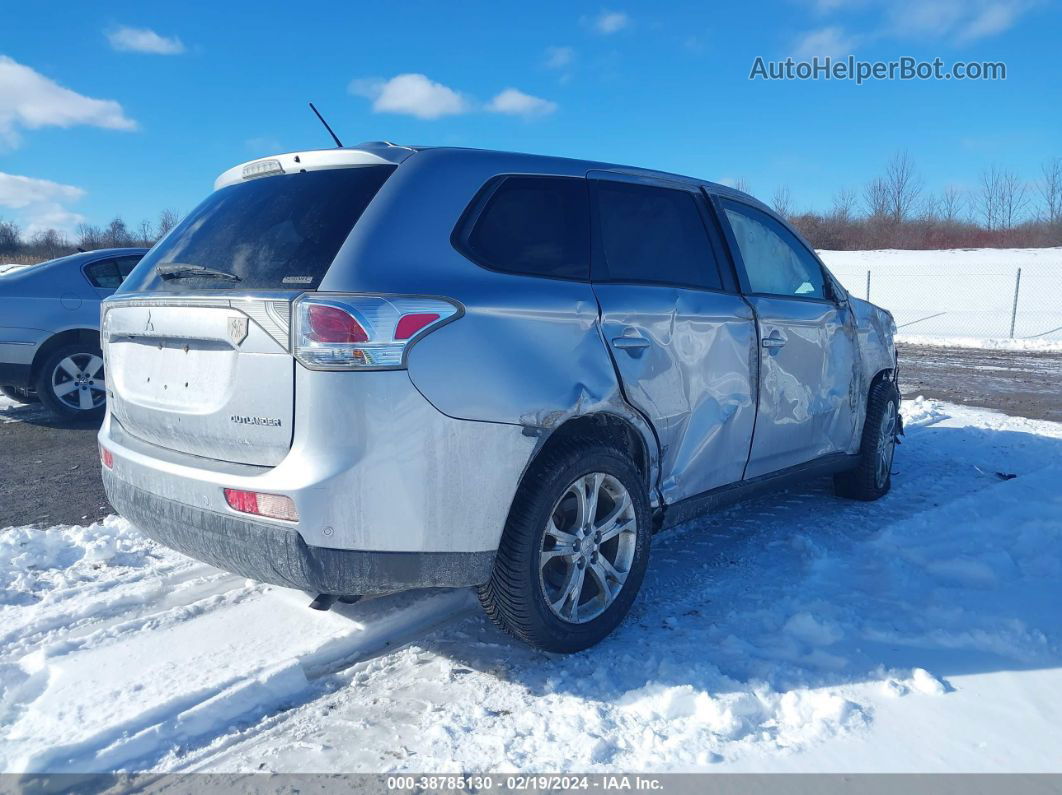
(803, 590)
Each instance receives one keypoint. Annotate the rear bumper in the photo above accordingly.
(280, 556)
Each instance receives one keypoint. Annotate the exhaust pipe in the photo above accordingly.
(324, 601)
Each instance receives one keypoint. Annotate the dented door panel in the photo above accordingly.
(810, 383)
(691, 374)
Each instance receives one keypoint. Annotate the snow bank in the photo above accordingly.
(32, 560)
(989, 343)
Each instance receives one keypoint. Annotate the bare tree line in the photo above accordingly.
(50, 243)
(895, 210)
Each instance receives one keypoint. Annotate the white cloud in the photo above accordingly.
(416, 95)
(831, 41)
(514, 102)
(955, 20)
(608, 22)
(413, 95)
(126, 39)
(39, 203)
(961, 20)
(991, 19)
(559, 57)
(30, 100)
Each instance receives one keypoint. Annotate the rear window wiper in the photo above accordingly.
(176, 270)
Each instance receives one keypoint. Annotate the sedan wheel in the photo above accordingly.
(71, 382)
(78, 381)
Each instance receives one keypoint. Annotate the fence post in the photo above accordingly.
(1014, 310)
(868, 284)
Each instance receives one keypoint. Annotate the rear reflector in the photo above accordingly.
(106, 458)
(274, 506)
(409, 325)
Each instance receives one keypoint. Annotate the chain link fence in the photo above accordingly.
(981, 300)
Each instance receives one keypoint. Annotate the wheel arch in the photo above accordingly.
(56, 341)
(608, 428)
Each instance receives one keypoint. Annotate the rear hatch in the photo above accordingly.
(212, 378)
(197, 342)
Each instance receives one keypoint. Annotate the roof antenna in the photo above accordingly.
(334, 136)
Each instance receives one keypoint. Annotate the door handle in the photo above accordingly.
(630, 343)
(773, 341)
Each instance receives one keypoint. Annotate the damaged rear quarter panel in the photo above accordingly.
(531, 354)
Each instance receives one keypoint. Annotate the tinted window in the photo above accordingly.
(775, 260)
(126, 264)
(104, 274)
(538, 226)
(279, 232)
(651, 234)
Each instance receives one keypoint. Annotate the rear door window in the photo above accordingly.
(126, 265)
(653, 235)
(104, 274)
(776, 262)
(537, 226)
(278, 232)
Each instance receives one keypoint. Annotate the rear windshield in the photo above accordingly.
(278, 233)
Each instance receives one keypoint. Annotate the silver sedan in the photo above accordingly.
(49, 329)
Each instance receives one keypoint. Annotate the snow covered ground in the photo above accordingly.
(965, 294)
(798, 632)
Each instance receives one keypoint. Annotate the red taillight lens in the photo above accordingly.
(106, 458)
(409, 325)
(331, 324)
(275, 506)
(346, 331)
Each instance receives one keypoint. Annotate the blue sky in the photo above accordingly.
(129, 107)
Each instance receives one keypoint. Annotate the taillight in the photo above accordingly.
(275, 506)
(330, 324)
(106, 458)
(359, 332)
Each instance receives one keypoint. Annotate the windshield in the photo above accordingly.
(277, 233)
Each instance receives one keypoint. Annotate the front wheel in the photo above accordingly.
(574, 550)
(872, 477)
(72, 384)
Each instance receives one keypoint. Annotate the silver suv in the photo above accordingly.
(375, 368)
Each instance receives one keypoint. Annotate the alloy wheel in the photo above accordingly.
(886, 444)
(588, 548)
(78, 381)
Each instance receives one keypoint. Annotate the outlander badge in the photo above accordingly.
(237, 329)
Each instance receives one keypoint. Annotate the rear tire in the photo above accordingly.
(568, 567)
(18, 394)
(872, 477)
(71, 382)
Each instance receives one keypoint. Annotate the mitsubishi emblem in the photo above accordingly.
(237, 329)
